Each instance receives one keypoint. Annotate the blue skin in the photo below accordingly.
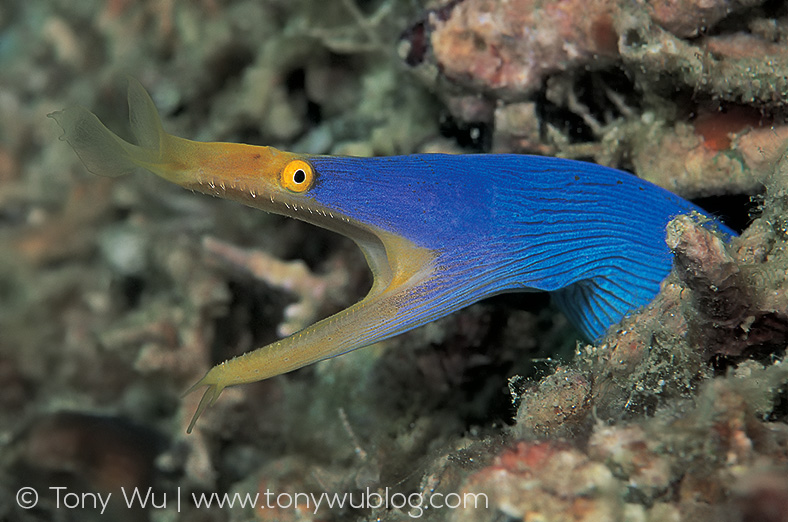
(591, 235)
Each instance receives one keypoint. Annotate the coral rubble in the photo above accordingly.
(116, 294)
(612, 73)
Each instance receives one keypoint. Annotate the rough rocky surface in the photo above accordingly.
(117, 294)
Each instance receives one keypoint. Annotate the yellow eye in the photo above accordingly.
(297, 176)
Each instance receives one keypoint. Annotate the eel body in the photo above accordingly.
(439, 231)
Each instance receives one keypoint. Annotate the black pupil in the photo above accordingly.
(299, 176)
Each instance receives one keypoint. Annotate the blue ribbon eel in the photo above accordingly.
(438, 231)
